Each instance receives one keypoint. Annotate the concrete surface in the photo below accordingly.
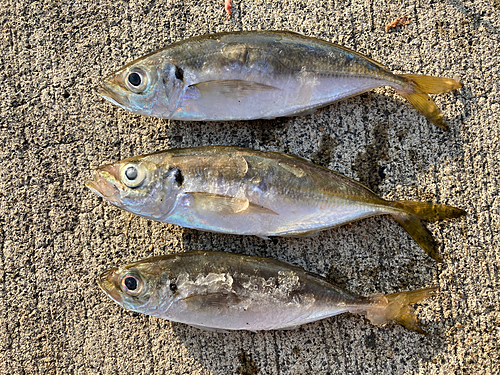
(56, 236)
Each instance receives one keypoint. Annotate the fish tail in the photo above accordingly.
(417, 94)
(397, 307)
(410, 218)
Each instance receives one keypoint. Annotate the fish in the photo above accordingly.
(242, 191)
(222, 291)
(248, 75)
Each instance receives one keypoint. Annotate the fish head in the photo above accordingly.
(140, 286)
(139, 185)
(148, 86)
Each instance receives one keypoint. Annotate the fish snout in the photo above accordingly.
(105, 182)
(107, 282)
(103, 91)
(113, 93)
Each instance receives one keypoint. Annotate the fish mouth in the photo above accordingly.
(108, 286)
(106, 92)
(105, 183)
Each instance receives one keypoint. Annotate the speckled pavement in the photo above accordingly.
(56, 236)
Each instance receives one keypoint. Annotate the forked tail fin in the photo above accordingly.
(417, 95)
(411, 216)
(397, 307)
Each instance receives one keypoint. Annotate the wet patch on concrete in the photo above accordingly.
(248, 366)
(337, 277)
(326, 146)
(367, 165)
(371, 340)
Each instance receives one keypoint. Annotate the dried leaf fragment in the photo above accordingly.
(400, 21)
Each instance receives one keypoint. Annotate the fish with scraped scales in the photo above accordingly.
(216, 291)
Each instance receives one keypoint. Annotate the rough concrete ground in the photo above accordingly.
(56, 236)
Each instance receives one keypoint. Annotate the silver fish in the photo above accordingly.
(242, 191)
(215, 290)
(258, 75)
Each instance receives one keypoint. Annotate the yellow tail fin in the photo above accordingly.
(417, 95)
(429, 211)
(411, 220)
(397, 307)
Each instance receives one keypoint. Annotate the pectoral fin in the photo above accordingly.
(224, 205)
(231, 89)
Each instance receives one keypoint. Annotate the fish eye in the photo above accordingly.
(132, 284)
(136, 80)
(133, 175)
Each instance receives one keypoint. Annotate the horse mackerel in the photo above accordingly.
(215, 290)
(249, 75)
(242, 191)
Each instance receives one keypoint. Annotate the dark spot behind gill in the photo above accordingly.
(177, 174)
(173, 287)
(179, 178)
(179, 73)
